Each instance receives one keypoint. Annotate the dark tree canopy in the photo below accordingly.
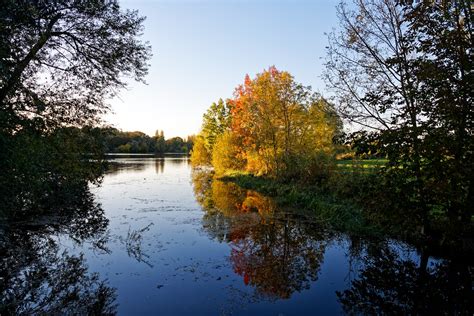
(61, 59)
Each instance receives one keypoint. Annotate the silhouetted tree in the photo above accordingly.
(160, 142)
(62, 59)
(404, 69)
(59, 63)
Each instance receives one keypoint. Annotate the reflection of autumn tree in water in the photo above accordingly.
(228, 207)
(37, 278)
(278, 258)
(279, 255)
(202, 186)
(388, 284)
(270, 249)
(234, 201)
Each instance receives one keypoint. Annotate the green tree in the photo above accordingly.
(190, 143)
(216, 121)
(175, 145)
(444, 68)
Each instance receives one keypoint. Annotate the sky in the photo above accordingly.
(202, 49)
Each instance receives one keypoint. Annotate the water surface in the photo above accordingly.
(163, 239)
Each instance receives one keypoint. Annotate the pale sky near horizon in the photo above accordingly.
(203, 49)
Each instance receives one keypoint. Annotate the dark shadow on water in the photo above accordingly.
(118, 166)
(36, 277)
(387, 283)
(160, 165)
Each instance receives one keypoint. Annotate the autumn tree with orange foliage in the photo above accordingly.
(274, 126)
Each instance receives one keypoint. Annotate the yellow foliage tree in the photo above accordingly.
(200, 155)
(225, 154)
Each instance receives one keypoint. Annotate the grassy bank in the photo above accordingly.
(339, 213)
(356, 203)
(362, 165)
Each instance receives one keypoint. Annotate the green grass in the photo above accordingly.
(363, 165)
(356, 202)
(338, 213)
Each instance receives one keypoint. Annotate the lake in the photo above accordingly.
(160, 238)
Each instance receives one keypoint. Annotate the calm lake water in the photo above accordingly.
(172, 241)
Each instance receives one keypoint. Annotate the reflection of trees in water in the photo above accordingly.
(116, 166)
(180, 160)
(159, 165)
(133, 245)
(278, 258)
(271, 249)
(119, 165)
(202, 182)
(390, 284)
(279, 254)
(37, 278)
(226, 202)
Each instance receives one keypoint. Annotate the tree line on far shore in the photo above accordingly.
(117, 141)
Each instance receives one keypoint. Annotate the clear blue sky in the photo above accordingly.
(203, 49)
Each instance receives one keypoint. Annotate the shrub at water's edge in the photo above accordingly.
(341, 214)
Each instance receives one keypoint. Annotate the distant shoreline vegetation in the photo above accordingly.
(124, 142)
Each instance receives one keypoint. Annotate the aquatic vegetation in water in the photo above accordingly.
(133, 244)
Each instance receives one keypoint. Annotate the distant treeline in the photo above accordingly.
(116, 141)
